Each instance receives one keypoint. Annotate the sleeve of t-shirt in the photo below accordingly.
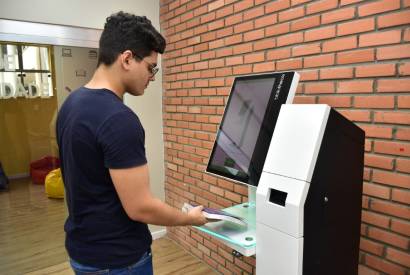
(122, 139)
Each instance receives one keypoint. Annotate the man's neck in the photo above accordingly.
(104, 78)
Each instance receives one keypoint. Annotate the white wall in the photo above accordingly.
(92, 14)
(89, 14)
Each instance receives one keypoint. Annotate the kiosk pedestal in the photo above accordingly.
(308, 200)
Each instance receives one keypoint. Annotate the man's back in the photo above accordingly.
(96, 131)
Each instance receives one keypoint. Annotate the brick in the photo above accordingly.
(368, 145)
(356, 26)
(348, 2)
(289, 64)
(254, 35)
(406, 35)
(244, 266)
(388, 237)
(393, 52)
(338, 15)
(402, 227)
(277, 29)
(389, 208)
(234, 60)
(375, 190)
(253, 13)
(306, 49)
(402, 196)
(242, 48)
(393, 85)
(345, 43)
(268, 43)
(244, 69)
(264, 67)
(309, 75)
(217, 24)
(214, 82)
(319, 61)
(336, 101)
(355, 56)
(243, 5)
(297, 2)
(404, 68)
(289, 39)
(379, 161)
(403, 165)
(355, 86)
(378, 7)
(304, 100)
(233, 19)
(290, 14)
(394, 19)
(225, 11)
(372, 218)
(392, 117)
(243, 27)
(336, 73)
(374, 70)
(305, 23)
(403, 134)
(277, 6)
(364, 270)
(320, 34)
(320, 6)
(380, 38)
(392, 148)
(224, 32)
(234, 39)
(372, 247)
(377, 131)
(356, 115)
(400, 257)
(267, 20)
(223, 71)
(215, 5)
(382, 265)
(254, 57)
(374, 102)
(320, 88)
(403, 102)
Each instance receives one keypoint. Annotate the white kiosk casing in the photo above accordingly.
(314, 153)
(305, 172)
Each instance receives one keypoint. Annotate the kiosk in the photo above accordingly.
(304, 168)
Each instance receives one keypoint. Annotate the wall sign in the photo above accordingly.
(25, 71)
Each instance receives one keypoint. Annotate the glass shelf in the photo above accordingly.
(240, 238)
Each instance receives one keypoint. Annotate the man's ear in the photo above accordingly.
(125, 58)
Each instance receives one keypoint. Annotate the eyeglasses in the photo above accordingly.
(153, 69)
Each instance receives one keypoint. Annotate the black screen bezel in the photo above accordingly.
(267, 128)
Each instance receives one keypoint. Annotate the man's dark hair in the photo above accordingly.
(124, 31)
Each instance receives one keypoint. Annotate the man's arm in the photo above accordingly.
(132, 186)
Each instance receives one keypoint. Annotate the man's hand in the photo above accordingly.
(196, 216)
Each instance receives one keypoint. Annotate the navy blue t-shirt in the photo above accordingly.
(95, 132)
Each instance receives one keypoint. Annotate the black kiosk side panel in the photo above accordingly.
(332, 214)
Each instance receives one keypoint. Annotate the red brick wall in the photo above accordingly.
(353, 55)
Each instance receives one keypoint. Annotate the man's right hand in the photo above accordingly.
(196, 216)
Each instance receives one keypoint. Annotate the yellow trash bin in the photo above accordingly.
(54, 184)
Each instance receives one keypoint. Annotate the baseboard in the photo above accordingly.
(159, 233)
(18, 176)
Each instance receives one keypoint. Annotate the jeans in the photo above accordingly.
(142, 267)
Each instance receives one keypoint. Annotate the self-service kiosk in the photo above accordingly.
(304, 168)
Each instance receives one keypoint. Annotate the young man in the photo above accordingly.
(103, 160)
